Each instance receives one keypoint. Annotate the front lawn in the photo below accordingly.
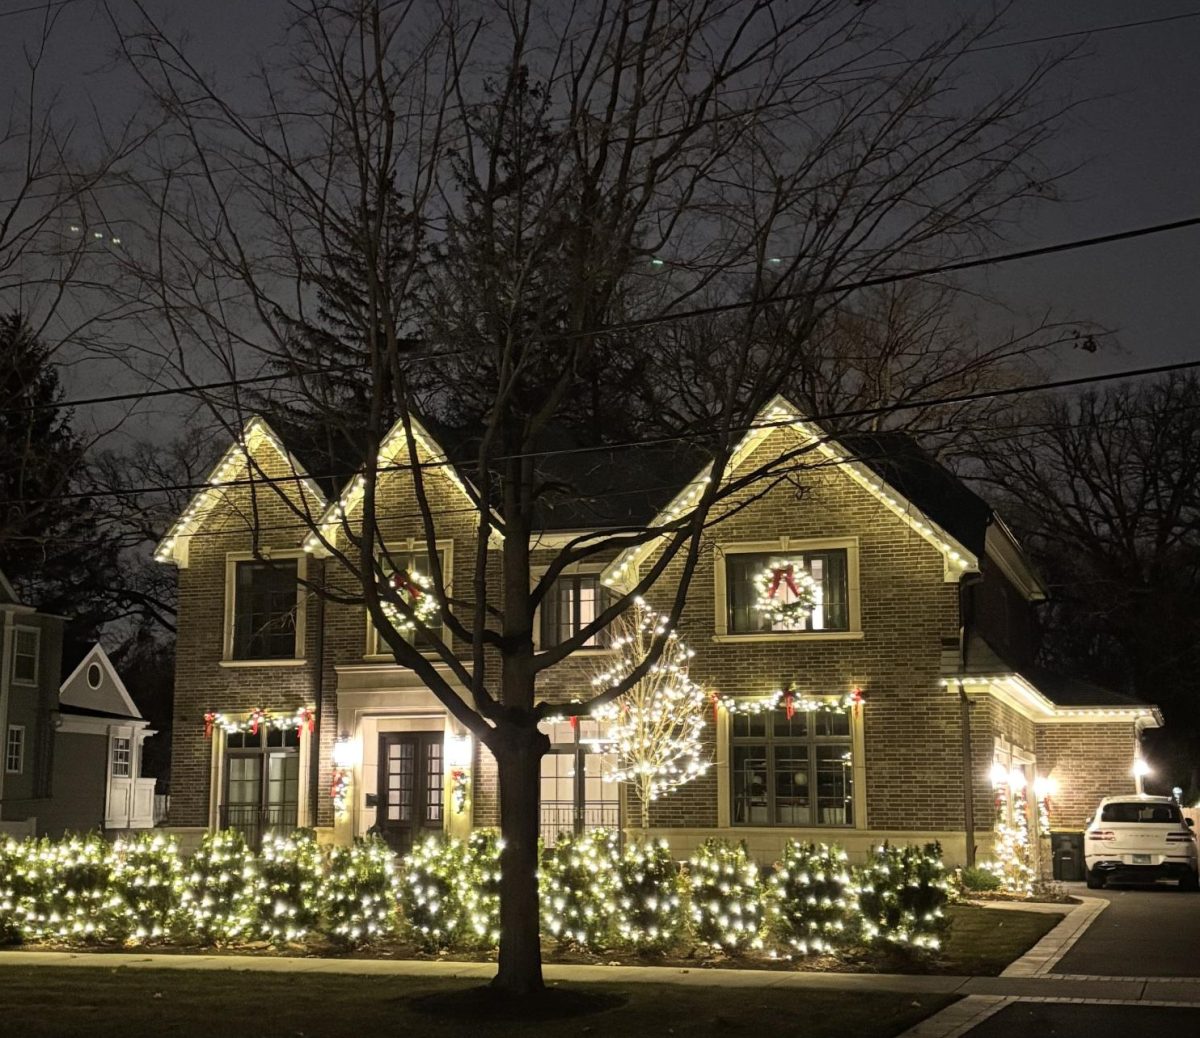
(123, 1003)
(982, 941)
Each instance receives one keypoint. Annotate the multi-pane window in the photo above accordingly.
(265, 603)
(262, 781)
(14, 749)
(829, 571)
(570, 605)
(412, 562)
(575, 794)
(122, 757)
(795, 771)
(26, 646)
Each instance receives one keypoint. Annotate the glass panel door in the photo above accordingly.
(411, 787)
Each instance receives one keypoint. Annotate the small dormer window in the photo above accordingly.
(94, 675)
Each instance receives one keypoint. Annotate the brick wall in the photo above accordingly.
(1089, 762)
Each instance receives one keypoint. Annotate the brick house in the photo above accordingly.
(905, 708)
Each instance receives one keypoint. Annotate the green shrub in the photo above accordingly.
(726, 897)
(481, 898)
(812, 900)
(145, 883)
(358, 893)
(579, 886)
(650, 914)
(222, 891)
(433, 879)
(975, 878)
(903, 894)
(290, 870)
(56, 890)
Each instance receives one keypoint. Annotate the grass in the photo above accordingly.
(124, 1003)
(982, 941)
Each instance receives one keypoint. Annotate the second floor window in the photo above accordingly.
(26, 646)
(570, 605)
(828, 569)
(265, 603)
(413, 562)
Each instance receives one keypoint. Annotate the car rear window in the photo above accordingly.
(1135, 812)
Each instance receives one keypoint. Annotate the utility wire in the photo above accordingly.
(709, 311)
(831, 416)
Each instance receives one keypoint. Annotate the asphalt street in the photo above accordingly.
(1042, 1019)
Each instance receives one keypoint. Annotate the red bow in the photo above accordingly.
(789, 704)
(784, 574)
(401, 581)
(256, 718)
(209, 719)
(304, 719)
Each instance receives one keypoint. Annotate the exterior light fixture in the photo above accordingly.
(345, 752)
(1044, 787)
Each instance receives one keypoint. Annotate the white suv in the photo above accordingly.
(1140, 839)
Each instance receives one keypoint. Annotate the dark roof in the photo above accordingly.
(1067, 691)
(897, 459)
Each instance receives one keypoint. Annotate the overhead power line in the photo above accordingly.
(645, 322)
(827, 417)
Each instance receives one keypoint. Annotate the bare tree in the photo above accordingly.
(496, 212)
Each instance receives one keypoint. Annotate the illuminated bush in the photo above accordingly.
(811, 896)
(145, 887)
(726, 897)
(221, 891)
(290, 869)
(481, 898)
(55, 890)
(902, 896)
(579, 887)
(650, 914)
(436, 898)
(358, 893)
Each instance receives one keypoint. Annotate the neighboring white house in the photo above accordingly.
(93, 703)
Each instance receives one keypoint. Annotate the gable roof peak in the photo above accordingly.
(254, 433)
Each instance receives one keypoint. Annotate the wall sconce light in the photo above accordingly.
(1044, 787)
(458, 750)
(345, 752)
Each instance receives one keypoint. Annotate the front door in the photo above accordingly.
(409, 804)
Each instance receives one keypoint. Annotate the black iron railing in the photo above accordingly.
(254, 822)
(562, 816)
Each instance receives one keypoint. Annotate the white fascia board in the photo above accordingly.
(174, 546)
(780, 413)
(394, 446)
(1015, 691)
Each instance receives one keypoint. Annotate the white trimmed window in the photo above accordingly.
(122, 757)
(26, 644)
(14, 749)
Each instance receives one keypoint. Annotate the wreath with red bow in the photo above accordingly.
(787, 594)
(415, 591)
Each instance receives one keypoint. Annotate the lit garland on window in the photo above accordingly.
(415, 590)
(792, 702)
(786, 578)
(654, 729)
(257, 719)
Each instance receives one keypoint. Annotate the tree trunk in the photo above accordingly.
(518, 752)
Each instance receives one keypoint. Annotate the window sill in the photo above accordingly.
(246, 664)
(387, 657)
(790, 636)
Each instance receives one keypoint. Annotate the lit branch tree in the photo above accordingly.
(654, 728)
(551, 229)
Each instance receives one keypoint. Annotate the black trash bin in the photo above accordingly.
(1066, 849)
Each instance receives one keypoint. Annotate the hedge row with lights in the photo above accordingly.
(446, 894)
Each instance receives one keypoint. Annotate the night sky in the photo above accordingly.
(1135, 133)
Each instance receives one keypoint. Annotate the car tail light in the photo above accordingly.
(1179, 837)
(1102, 834)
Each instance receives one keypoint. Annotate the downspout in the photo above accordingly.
(314, 753)
(6, 639)
(964, 712)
